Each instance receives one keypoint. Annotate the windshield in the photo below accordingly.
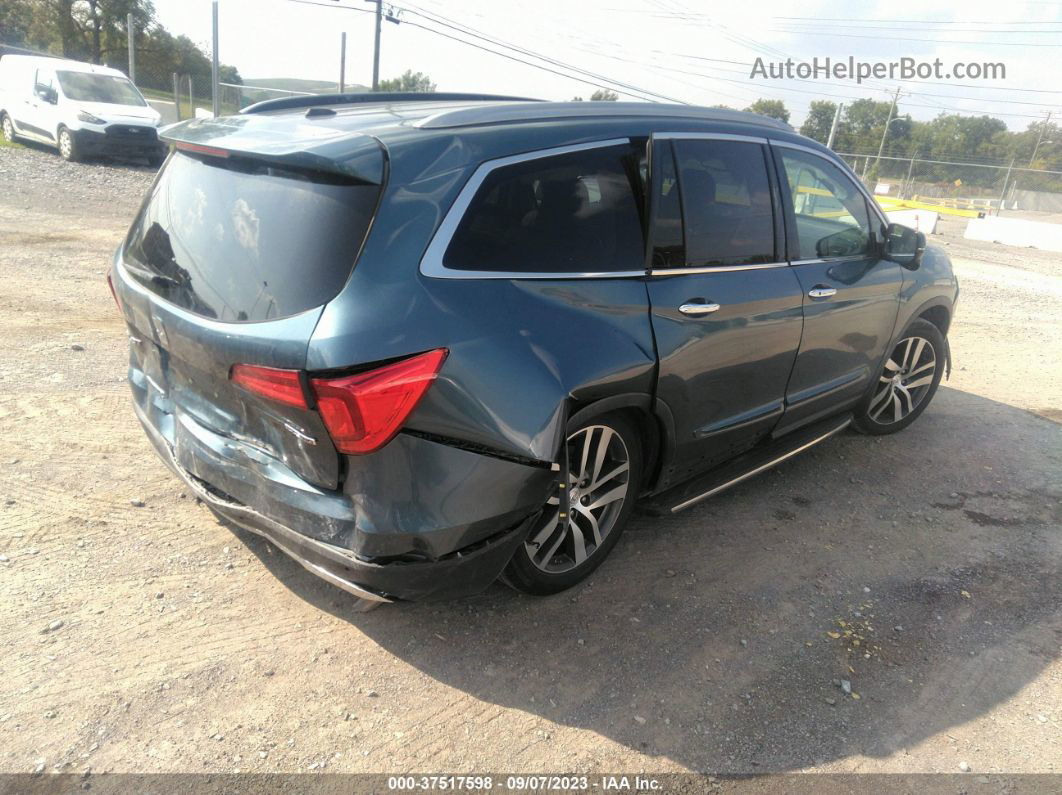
(88, 87)
(245, 241)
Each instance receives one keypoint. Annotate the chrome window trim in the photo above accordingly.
(839, 163)
(717, 269)
(709, 136)
(431, 264)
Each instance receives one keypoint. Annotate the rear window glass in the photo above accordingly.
(242, 241)
(570, 213)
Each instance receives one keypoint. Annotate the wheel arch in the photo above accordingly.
(638, 407)
(938, 313)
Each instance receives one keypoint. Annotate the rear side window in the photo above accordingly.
(726, 201)
(237, 240)
(569, 213)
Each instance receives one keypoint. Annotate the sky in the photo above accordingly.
(696, 52)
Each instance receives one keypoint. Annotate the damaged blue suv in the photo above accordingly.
(421, 342)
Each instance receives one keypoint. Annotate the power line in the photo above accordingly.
(452, 24)
(927, 41)
(613, 85)
(911, 21)
(1037, 30)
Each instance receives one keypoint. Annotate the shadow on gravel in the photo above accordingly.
(119, 164)
(923, 569)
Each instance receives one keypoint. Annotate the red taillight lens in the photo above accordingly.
(283, 386)
(202, 150)
(363, 412)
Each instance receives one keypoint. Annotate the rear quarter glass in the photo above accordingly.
(237, 240)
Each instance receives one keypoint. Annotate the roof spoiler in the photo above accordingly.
(382, 97)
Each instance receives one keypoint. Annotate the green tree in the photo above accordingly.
(819, 120)
(417, 82)
(773, 108)
(601, 95)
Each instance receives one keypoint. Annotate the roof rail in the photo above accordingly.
(365, 97)
(542, 111)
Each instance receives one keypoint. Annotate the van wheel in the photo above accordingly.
(8, 127)
(67, 147)
(908, 380)
(605, 474)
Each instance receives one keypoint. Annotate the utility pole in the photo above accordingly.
(1003, 194)
(833, 127)
(885, 132)
(342, 62)
(1040, 138)
(376, 48)
(130, 33)
(214, 66)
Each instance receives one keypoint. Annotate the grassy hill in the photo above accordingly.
(296, 84)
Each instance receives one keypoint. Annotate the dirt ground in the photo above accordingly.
(154, 639)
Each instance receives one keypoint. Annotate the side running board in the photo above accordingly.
(741, 468)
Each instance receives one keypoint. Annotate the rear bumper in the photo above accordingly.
(467, 569)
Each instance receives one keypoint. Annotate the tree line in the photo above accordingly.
(95, 31)
(950, 136)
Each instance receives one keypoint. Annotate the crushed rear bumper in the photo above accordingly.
(466, 570)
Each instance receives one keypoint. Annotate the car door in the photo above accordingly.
(850, 293)
(725, 306)
(40, 113)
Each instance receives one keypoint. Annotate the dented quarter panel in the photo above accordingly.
(521, 351)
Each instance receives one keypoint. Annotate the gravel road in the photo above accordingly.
(877, 605)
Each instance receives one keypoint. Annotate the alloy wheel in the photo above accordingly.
(905, 381)
(598, 484)
(66, 144)
(9, 129)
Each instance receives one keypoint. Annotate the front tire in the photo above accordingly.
(605, 475)
(67, 146)
(8, 128)
(907, 382)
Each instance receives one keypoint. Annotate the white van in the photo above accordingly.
(79, 108)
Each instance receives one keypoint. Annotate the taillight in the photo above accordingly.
(363, 412)
(283, 386)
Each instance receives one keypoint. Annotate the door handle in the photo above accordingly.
(822, 292)
(698, 309)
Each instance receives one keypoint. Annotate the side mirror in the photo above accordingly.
(49, 95)
(904, 245)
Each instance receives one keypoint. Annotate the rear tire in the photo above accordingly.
(8, 127)
(68, 146)
(605, 475)
(907, 382)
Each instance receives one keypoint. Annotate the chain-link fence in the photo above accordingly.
(981, 187)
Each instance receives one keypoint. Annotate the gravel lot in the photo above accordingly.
(141, 635)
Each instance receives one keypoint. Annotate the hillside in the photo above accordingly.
(297, 84)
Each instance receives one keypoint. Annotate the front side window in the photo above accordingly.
(44, 83)
(726, 202)
(89, 87)
(569, 213)
(831, 213)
